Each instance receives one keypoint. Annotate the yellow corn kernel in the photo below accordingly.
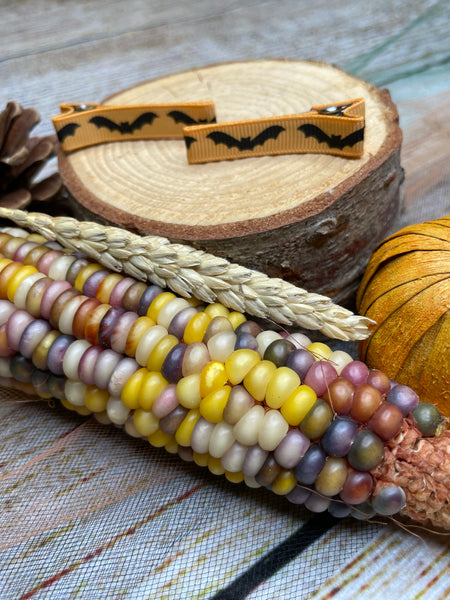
(239, 363)
(158, 303)
(160, 351)
(184, 431)
(299, 403)
(319, 350)
(236, 318)
(284, 483)
(81, 410)
(39, 239)
(212, 406)
(171, 446)
(4, 262)
(257, 379)
(96, 399)
(83, 275)
(194, 301)
(159, 439)
(152, 385)
(67, 404)
(145, 422)
(17, 279)
(236, 477)
(195, 329)
(215, 466)
(106, 287)
(39, 356)
(131, 390)
(7, 273)
(281, 385)
(212, 377)
(43, 395)
(139, 327)
(188, 391)
(216, 310)
(200, 459)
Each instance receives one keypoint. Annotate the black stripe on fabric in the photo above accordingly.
(278, 557)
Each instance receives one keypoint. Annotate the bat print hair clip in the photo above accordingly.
(81, 125)
(326, 129)
(336, 129)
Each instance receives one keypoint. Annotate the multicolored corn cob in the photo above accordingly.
(258, 406)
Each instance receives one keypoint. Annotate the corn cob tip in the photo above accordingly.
(421, 467)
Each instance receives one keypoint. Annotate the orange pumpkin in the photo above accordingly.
(406, 290)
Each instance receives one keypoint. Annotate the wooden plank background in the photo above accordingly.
(167, 538)
(81, 51)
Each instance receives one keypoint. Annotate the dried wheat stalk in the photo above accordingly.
(191, 272)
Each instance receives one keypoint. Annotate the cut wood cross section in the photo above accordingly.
(312, 219)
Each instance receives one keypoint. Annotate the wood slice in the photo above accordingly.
(310, 219)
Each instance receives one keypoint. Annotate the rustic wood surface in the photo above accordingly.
(90, 513)
(54, 51)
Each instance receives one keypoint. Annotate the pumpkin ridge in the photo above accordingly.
(395, 246)
(443, 221)
(417, 228)
(395, 241)
(416, 295)
(405, 246)
(385, 362)
(368, 278)
(416, 356)
(427, 234)
(432, 236)
(400, 285)
(437, 389)
(445, 224)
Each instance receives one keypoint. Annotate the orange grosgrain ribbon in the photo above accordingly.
(336, 129)
(326, 129)
(81, 125)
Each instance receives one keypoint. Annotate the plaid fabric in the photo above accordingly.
(89, 512)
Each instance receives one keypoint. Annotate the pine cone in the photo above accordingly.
(22, 157)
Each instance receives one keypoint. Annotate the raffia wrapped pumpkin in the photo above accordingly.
(406, 290)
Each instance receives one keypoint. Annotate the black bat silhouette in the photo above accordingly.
(189, 141)
(124, 127)
(67, 131)
(181, 117)
(246, 143)
(333, 141)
